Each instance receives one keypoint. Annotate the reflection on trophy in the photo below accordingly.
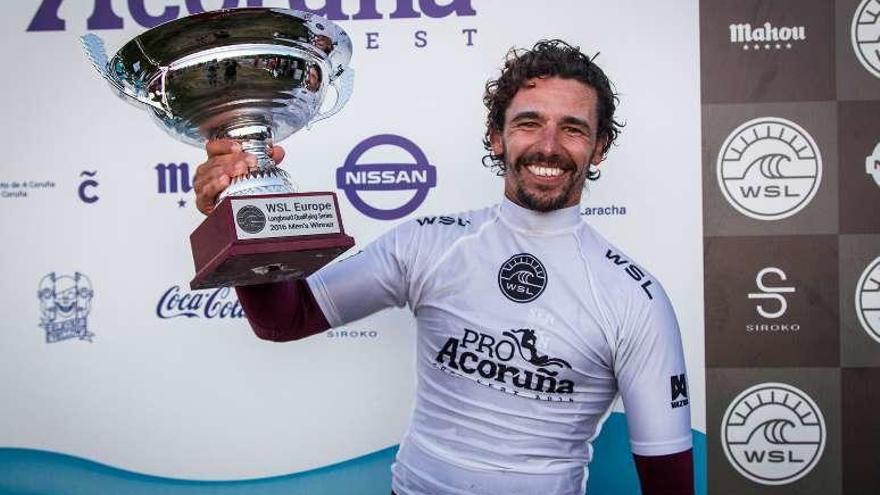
(255, 75)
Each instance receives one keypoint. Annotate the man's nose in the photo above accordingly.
(548, 140)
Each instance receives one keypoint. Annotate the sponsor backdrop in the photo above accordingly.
(791, 189)
(117, 378)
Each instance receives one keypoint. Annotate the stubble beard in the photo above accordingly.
(545, 202)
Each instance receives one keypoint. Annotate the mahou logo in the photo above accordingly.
(773, 433)
(512, 364)
(766, 36)
(769, 168)
(211, 303)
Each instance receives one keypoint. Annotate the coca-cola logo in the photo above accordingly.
(211, 303)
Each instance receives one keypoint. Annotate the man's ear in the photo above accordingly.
(598, 155)
(496, 142)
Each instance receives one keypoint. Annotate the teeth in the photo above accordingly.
(544, 171)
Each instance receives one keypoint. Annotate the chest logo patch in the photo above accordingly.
(522, 278)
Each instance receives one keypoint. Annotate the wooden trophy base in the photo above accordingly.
(250, 240)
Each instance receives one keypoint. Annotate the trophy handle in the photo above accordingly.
(344, 85)
(94, 47)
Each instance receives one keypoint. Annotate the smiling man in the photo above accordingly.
(530, 324)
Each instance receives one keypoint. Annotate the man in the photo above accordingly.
(529, 325)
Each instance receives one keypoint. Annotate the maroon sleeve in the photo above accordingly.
(671, 474)
(282, 311)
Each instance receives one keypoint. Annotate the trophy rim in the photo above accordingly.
(172, 45)
(343, 41)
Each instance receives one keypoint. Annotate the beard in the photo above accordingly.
(547, 200)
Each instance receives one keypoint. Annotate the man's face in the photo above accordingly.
(548, 142)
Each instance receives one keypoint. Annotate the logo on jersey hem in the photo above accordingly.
(487, 360)
(522, 278)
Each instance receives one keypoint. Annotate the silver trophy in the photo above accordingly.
(255, 75)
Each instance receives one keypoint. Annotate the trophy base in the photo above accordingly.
(251, 240)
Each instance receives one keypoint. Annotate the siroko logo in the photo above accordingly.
(355, 177)
(773, 433)
(769, 168)
(214, 303)
(770, 292)
(522, 278)
(65, 303)
(872, 164)
(865, 35)
(766, 36)
(868, 299)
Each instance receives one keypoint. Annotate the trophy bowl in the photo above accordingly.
(254, 75)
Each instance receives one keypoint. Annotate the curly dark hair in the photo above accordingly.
(548, 58)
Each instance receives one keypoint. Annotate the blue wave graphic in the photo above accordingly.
(32, 472)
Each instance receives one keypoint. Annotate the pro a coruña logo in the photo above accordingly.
(769, 168)
(868, 299)
(773, 433)
(65, 303)
(511, 362)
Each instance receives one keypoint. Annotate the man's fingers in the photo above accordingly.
(278, 153)
(209, 191)
(222, 147)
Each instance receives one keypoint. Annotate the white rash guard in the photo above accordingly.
(529, 325)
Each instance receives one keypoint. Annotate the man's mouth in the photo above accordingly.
(544, 171)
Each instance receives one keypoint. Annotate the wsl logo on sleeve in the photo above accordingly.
(769, 168)
(370, 185)
(773, 433)
(65, 303)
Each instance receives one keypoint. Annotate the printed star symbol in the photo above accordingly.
(766, 47)
(788, 45)
(757, 46)
(778, 46)
(745, 47)
(181, 203)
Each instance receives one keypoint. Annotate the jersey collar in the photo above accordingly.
(539, 222)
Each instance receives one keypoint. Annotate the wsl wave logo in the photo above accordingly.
(769, 168)
(216, 303)
(865, 35)
(65, 303)
(511, 363)
(773, 433)
(868, 299)
(522, 278)
(415, 176)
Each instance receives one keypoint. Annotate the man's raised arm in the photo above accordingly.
(282, 311)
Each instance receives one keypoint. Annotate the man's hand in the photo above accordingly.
(225, 161)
